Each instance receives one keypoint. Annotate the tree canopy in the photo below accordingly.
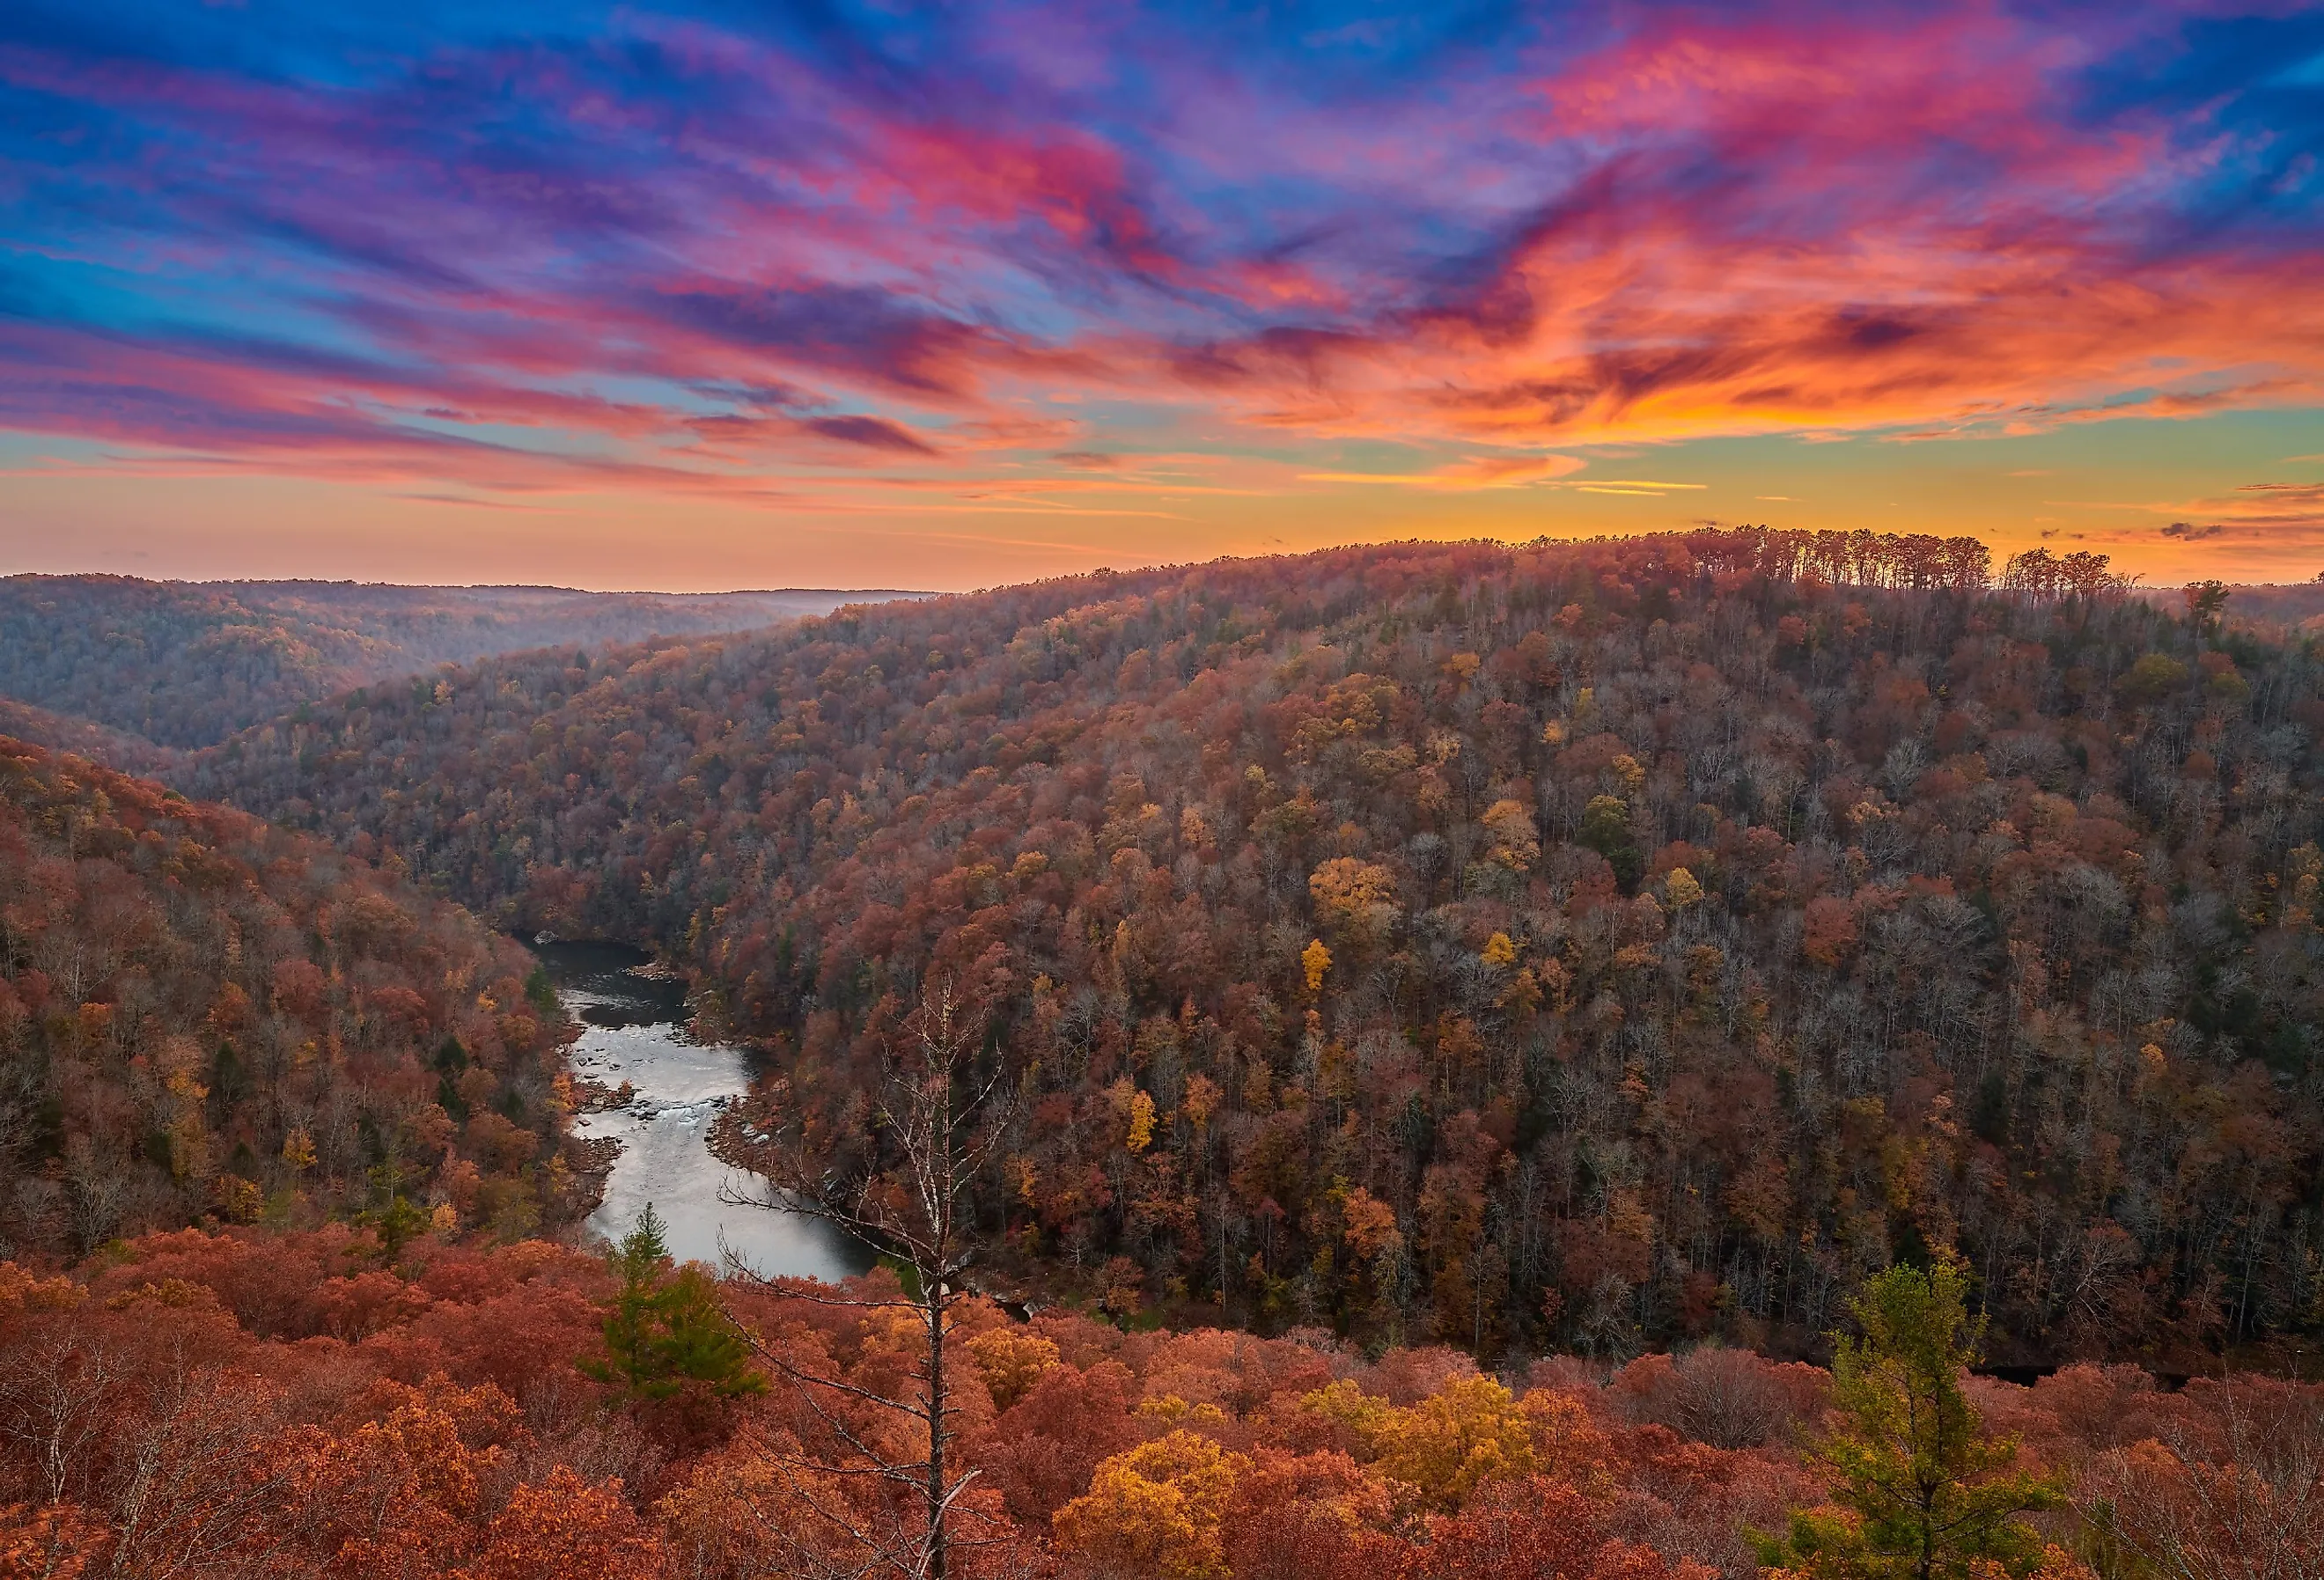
(1666, 932)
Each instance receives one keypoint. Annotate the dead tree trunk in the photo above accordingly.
(903, 1194)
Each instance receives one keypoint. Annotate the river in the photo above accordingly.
(633, 1030)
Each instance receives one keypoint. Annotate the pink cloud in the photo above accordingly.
(535, 271)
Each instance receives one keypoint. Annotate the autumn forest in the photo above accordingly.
(1716, 1053)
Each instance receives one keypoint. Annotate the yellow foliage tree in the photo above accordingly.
(1155, 1510)
(1141, 1122)
(1365, 1416)
(1315, 960)
(1500, 950)
(1011, 1360)
(1354, 900)
(1470, 1432)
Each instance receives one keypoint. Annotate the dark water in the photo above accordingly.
(634, 1030)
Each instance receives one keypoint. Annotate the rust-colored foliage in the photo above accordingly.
(188, 1408)
(203, 1017)
(54, 1542)
(1661, 930)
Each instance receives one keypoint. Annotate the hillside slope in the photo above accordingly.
(187, 664)
(37, 727)
(203, 1017)
(1703, 919)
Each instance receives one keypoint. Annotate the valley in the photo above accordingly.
(1408, 998)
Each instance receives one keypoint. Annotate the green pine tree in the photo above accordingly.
(637, 1261)
(698, 1347)
(666, 1332)
(541, 992)
(1922, 1488)
(391, 1215)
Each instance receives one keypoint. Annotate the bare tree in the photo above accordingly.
(903, 1191)
(2236, 1493)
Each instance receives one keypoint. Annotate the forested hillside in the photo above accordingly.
(1590, 945)
(203, 1018)
(187, 663)
(37, 727)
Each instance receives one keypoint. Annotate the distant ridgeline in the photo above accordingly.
(187, 663)
(1590, 943)
(204, 1018)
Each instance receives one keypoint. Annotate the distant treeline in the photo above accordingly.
(187, 664)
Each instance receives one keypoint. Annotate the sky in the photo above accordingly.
(834, 294)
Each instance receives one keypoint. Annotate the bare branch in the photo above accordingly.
(939, 1124)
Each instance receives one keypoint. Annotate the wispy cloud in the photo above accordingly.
(1479, 471)
(1637, 487)
(820, 254)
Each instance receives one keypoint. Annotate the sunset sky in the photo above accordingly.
(836, 294)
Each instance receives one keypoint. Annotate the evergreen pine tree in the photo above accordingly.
(666, 1332)
(698, 1346)
(1923, 1493)
(637, 1261)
